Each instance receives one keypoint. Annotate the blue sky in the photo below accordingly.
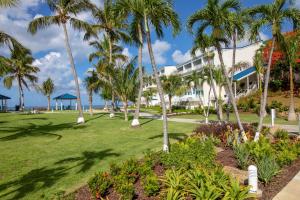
(48, 47)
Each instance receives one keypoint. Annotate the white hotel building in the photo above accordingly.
(245, 80)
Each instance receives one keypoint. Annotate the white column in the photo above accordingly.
(248, 85)
(273, 116)
(56, 105)
(234, 84)
(76, 105)
(252, 178)
(61, 105)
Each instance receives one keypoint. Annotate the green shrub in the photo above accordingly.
(286, 152)
(99, 184)
(174, 181)
(151, 185)
(242, 155)
(260, 149)
(126, 190)
(114, 169)
(235, 191)
(266, 168)
(281, 134)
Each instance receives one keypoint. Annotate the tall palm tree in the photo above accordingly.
(148, 94)
(172, 86)
(64, 12)
(47, 88)
(291, 48)
(258, 62)
(159, 13)
(272, 16)
(113, 25)
(215, 18)
(91, 84)
(132, 9)
(220, 81)
(20, 68)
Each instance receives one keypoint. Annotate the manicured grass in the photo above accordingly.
(44, 154)
(245, 117)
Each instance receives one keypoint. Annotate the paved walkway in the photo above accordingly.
(291, 191)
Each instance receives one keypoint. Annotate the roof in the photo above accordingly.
(244, 73)
(65, 97)
(3, 97)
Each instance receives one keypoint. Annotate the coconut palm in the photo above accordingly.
(159, 13)
(220, 82)
(20, 69)
(148, 94)
(64, 12)
(272, 16)
(172, 86)
(258, 62)
(110, 22)
(132, 9)
(91, 86)
(8, 3)
(291, 48)
(215, 18)
(47, 88)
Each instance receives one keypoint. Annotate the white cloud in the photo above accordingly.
(179, 57)
(297, 3)
(263, 36)
(159, 50)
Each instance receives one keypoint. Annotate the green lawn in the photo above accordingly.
(245, 117)
(44, 154)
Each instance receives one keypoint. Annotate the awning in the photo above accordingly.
(65, 97)
(243, 74)
(2, 97)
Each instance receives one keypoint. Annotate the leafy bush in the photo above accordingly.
(260, 149)
(286, 152)
(99, 184)
(151, 185)
(126, 189)
(191, 152)
(266, 168)
(237, 192)
(242, 155)
(114, 169)
(281, 134)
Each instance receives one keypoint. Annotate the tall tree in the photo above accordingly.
(271, 16)
(91, 85)
(220, 82)
(258, 62)
(172, 86)
(47, 88)
(159, 13)
(132, 9)
(20, 69)
(113, 24)
(291, 48)
(215, 18)
(64, 12)
(148, 94)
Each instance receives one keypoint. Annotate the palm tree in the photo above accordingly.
(290, 46)
(8, 3)
(113, 25)
(124, 81)
(47, 88)
(272, 16)
(91, 85)
(258, 62)
(215, 18)
(148, 94)
(132, 8)
(159, 13)
(20, 68)
(64, 10)
(172, 86)
(220, 81)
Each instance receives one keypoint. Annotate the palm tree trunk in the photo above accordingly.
(126, 110)
(91, 102)
(292, 115)
(48, 97)
(135, 121)
(214, 91)
(229, 89)
(265, 94)
(112, 110)
(220, 104)
(80, 117)
(21, 95)
(159, 89)
(170, 103)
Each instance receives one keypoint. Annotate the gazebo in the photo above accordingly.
(65, 97)
(3, 102)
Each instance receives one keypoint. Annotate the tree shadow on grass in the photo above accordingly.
(46, 177)
(88, 159)
(32, 129)
(96, 116)
(35, 118)
(175, 136)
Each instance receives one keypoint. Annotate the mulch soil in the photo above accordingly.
(226, 158)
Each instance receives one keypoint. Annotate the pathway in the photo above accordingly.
(291, 191)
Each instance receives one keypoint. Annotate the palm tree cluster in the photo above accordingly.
(220, 23)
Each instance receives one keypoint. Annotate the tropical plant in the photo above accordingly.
(258, 62)
(266, 168)
(113, 25)
(8, 3)
(172, 86)
(19, 67)
(91, 84)
(220, 82)
(159, 13)
(272, 16)
(64, 12)
(217, 24)
(47, 88)
(148, 94)
(290, 46)
(124, 82)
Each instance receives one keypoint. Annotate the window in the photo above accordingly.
(188, 66)
(180, 69)
(198, 62)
